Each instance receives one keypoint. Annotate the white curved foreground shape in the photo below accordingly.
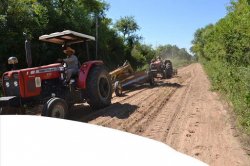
(41, 141)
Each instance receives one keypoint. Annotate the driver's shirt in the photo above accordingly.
(72, 62)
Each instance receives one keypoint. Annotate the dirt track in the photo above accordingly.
(180, 112)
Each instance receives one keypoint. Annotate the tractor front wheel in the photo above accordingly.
(55, 107)
(118, 89)
(99, 87)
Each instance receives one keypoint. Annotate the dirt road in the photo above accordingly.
(181, 112)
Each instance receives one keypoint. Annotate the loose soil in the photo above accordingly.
(181, 112)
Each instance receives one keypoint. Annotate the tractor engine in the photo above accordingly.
(36, 83)
(164, 68)
(47, 86)
(157, 66)
(11, 84)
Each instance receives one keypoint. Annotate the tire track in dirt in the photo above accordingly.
(132, 105)
(139, 124)
(180, 112)
(91, 115)
(141, 101)
(136, 101)
(167, 117)
(125, 106)
(145, 103)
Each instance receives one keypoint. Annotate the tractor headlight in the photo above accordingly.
(15, 83)
(7, 84)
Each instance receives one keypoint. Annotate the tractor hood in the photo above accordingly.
(37, 70)
(27, 82)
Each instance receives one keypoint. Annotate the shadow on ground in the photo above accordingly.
(84, 113)
(161, 83)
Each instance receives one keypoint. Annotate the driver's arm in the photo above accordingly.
(70, 60)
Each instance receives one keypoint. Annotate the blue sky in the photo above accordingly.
(169, 21)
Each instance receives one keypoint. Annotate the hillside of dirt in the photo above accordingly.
(181, 112)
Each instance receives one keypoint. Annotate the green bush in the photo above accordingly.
(224, 50)
(233, 82)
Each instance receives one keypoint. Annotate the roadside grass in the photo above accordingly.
(234, 84)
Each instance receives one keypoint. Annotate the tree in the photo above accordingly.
(127, 26)
(38, 17)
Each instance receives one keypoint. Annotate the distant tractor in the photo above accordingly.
(45, 85)
(164, 68)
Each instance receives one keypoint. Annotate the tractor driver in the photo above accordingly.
(71, 62)
(158, 58)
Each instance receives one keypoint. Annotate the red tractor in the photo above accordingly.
(45, 85)
(165, 68)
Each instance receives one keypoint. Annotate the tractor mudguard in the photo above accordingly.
(84, 71)
(10, 101)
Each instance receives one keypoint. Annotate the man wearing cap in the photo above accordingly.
(72, 63)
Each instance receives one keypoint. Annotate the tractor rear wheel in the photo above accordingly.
(99, 87)
(55, 107)
(168, 69)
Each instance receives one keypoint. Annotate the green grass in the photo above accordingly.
(234, 83)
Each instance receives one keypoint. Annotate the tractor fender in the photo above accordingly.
(84, 71)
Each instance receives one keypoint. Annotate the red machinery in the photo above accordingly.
(164, 68)
(26, 88)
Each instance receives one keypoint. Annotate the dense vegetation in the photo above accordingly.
(224, 49)
(117, 41)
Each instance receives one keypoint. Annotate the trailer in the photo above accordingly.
(123, 77)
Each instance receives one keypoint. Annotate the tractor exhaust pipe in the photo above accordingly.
(28, 50)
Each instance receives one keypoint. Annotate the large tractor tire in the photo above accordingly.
(99, 87)
(168, 69)
(55, 107)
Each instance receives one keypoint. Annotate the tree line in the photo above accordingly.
(224, 49)
(117, 41)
